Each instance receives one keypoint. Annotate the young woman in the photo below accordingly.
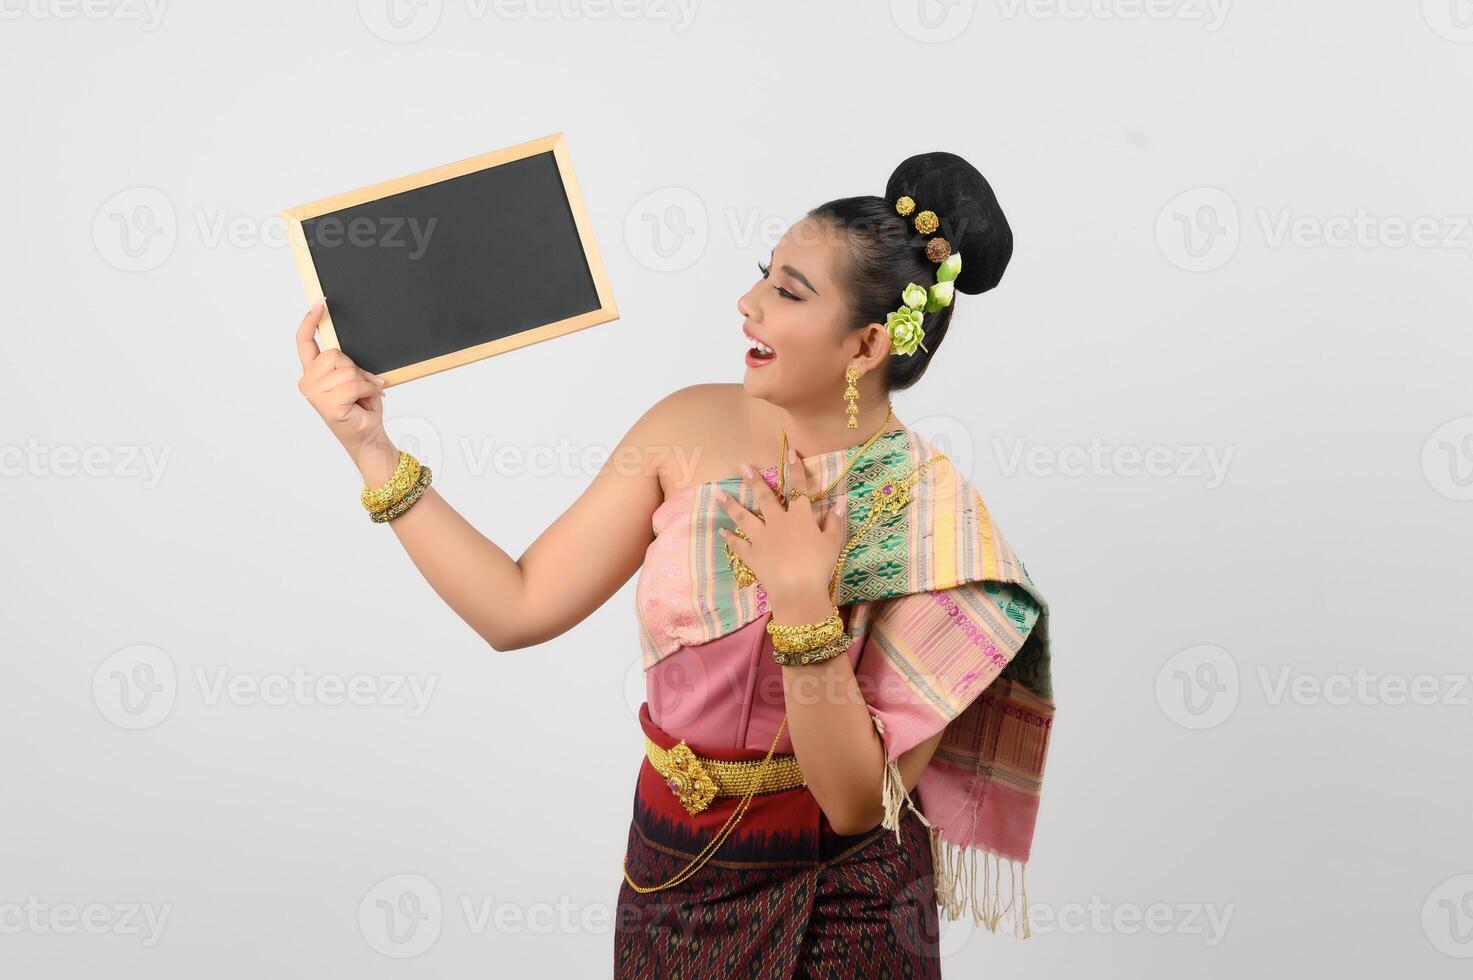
(847, 667)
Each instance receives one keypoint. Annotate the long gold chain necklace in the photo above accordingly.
(782, 462)
(699, 861)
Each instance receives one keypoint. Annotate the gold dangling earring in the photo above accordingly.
(851, 375)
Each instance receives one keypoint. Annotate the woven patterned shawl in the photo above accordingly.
(955, 640)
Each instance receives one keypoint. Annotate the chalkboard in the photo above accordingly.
(453, 264)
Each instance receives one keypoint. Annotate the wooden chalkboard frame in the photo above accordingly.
(555, 144)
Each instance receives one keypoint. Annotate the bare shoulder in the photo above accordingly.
(712, 396)
(697, 432)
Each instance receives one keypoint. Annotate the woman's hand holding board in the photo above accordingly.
(349, 399)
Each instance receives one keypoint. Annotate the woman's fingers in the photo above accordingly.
(336, 377)
(765, 500)
(318, 364)
(348, 398)
(739, 545)
(363, 392)
(307, 349)
(323, 365)
(355, 391)
(798, 502)
(834, 520)
(740, 516)
(376, 381)
(340, 401)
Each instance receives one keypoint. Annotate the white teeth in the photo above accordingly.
(758, 346)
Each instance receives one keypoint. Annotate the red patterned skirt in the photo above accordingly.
(783, 896)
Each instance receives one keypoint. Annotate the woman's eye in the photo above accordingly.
(780, 290)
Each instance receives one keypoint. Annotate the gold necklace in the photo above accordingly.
(782, 462)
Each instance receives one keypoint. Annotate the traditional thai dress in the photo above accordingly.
(949, 635)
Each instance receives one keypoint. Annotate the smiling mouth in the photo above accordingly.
(757, 350)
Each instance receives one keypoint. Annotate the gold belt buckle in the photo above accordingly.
(688, 779)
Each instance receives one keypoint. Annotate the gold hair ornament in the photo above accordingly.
(905, 324)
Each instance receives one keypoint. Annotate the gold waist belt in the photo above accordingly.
(697, 780)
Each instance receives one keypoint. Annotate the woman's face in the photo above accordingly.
(797, 310)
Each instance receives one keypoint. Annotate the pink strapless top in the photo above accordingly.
(727, 693)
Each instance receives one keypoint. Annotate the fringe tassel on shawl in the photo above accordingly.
(956, 867)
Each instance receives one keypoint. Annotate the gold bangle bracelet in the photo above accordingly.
(400, 506)
(796, 637)
(815, 655)
(406, 475)
(798, 629)
(797, 644)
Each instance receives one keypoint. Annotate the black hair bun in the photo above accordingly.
(971, 220)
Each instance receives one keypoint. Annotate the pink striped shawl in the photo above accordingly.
(953, 636)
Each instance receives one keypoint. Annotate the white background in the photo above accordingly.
(1242, 235)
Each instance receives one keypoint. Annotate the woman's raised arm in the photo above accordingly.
(572, 568)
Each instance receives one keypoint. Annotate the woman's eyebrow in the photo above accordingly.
(800, 277)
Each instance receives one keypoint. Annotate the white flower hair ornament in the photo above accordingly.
(904, 324)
